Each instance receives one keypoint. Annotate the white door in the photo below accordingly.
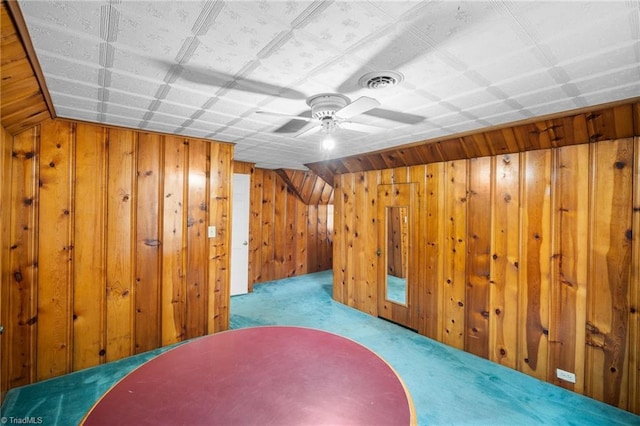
(240, 235)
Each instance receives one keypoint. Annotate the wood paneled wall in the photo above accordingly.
(531, 260)
(286, 236)
(104, 245)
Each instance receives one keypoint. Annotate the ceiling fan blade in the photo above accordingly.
(357, 107)
(359, 127)
(204, 76)
(292, 117)
(292, 126)
(309, 131)
(400, 117)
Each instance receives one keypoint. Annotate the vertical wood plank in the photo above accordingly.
(220, 193)
(55, 252)
(174, 241)
(634, 293)
(147, 289)
(267, 230)
(505, 231)
(89, 253)
(120, 243)
(290, 234)
(279, 226)
(454, 248)
(339, 290)
(20, 331)
(312, 237)
(535, 262)
(255, 229)
(481, 175)
(570, 258)
(610, 267)
(371, 181)
(324, 256)
(430, 302)
(419, 290)
(303, 264)
(360, 228)
(196, 234)
(348, 192)
(6, 145)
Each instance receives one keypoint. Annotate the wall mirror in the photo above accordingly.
(397, 254)
(396, 251)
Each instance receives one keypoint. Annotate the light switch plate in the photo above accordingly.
(211, 232)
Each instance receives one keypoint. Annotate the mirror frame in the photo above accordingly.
(396, 195)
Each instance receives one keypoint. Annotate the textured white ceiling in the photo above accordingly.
(203, 68)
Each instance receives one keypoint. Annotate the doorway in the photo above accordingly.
(240, 234)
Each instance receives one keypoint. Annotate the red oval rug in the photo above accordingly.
(260, 376)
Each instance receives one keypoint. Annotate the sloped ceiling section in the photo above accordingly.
(310, 188)
(23, 104)
(206, 68)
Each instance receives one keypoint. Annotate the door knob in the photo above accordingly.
(245, 243)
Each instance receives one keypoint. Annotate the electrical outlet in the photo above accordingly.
(565, 375)
(211, 232)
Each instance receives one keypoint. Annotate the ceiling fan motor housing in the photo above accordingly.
(325, 105)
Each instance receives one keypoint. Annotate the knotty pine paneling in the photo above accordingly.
(220, 178)
(530, 259)
(481, 174)
(286, 236)
(19, 304)
(609, 273)
(104, 248)
(5, 237)
(569, 283)
(503, 284)
(634, 292)
(174, 238)
(56, 253)
(535, 262)
(120, 276)
(453, 289)
(89, 254)
(25, 100)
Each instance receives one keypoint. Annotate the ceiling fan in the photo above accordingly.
(331, 111)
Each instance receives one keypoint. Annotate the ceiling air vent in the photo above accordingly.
(380, 79)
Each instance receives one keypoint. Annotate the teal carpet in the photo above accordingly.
(448, 386)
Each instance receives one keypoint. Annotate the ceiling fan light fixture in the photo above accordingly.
(328, 142)
(328, 126)
(380, 79)
(325, 105)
